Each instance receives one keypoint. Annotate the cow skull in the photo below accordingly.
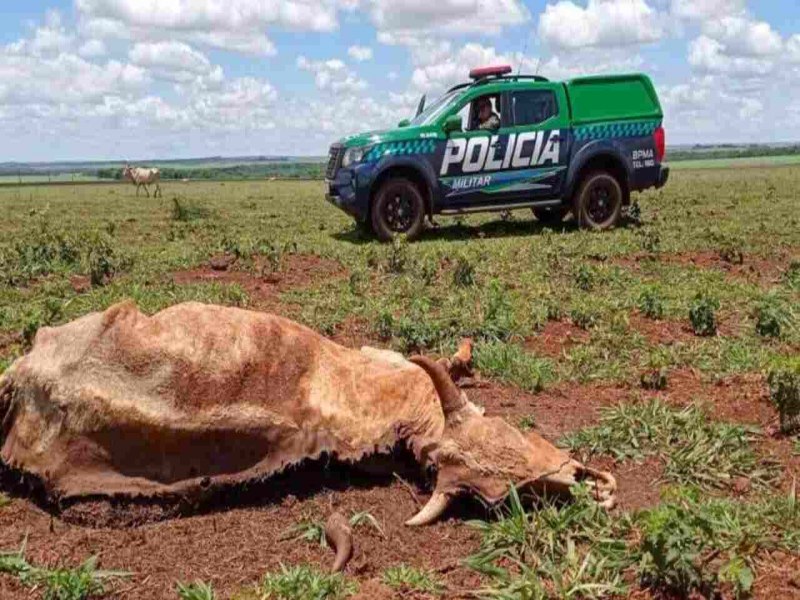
(484, 455)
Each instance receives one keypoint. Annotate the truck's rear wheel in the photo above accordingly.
(598, 204)
(399, 209)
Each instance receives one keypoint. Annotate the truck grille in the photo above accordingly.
(334, 161)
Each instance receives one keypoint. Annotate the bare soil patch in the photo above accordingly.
(755, 269)
(298, 271)
(556, 338)
(663, 331)
(737, 399)
(232, 549)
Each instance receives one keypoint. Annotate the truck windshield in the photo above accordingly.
(432, 113)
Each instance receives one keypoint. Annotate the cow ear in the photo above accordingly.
(449, 395)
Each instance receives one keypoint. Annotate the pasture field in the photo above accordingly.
(734, 163)
(657, 351)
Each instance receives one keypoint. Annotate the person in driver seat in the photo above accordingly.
(487, 118)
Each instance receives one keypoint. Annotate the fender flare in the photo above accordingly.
(611, 148)
(421, 166)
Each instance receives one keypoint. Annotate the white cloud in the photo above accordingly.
(51, 38)
(743, 37)
(332, 75)
(235, 25)
(171, 60)
(700, 10)
(399, 21)
(793, 48)
(92, 49)
(601, 23)
(360, 53)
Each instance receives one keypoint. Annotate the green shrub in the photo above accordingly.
(584, 278)
(498, 314)
(651, 304)
(582, 317)
(702, 315)
(772, 317)
(784, 392)
(104, 259)
(792, 274)
(654, 380)
(464, 272)
(649, 240)
(184, 210)
(398, 258)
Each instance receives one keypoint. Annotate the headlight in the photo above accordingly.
(354, 155)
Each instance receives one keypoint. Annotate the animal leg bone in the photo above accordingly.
(339, 536)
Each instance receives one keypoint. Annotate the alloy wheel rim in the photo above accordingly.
(602, 202)
(399, 213)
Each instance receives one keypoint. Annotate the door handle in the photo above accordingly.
(557, 138)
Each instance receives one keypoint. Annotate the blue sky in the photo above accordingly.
(119, 79)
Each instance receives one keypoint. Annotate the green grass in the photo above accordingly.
(60, 583)
(404, 578)
(736, 163)
(687, 544)
(197, 590)
(295, 583)
(696, 450)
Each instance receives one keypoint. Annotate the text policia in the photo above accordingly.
(522, 150)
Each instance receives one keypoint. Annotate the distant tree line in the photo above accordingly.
(293, 170)
(730, 151)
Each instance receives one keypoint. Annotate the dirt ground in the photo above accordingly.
(231, 542)
(755, 269)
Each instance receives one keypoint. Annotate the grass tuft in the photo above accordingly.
(197, 590)
(696, 451)
(293, 583)
(405, 579)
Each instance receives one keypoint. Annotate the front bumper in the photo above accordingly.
(343, 192)
(663, 176)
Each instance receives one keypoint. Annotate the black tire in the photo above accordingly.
(550, 216)
(598, 203)
(398, 209)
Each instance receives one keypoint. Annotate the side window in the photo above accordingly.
(531, 107)
(470, 113)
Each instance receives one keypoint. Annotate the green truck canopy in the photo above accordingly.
(613, 98)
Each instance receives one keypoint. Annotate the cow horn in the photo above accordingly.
(431, 511)
(449, 394)
(339, 536)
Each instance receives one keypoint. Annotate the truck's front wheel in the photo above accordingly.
(398, 209)
(598, 203)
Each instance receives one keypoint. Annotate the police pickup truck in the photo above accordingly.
(579, 146)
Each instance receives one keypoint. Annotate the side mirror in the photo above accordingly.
(453, 123)
(404, 123)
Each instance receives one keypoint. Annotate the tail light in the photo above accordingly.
(661, 143)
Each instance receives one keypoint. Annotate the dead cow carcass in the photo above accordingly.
(119, 403)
